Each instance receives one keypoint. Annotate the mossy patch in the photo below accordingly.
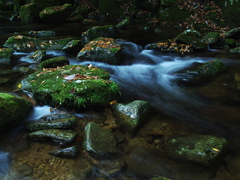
(75, 86)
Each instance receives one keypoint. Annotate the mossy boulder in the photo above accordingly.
(29, 44)
(13, 110)
(54, 135)
(170, 46)
(210, 69)
(102, 50)
(131, 116)
(201, 149)
(52, 121)
(97, 31)
(54, 62)
(98, 141)
(38, 55)
(73, 46)
(192, 37)
(76, 86)
(5, 55)
(211, 38)
(55, 14)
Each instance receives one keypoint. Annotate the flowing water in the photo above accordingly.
(182, 106)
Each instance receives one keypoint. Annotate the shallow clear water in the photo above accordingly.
(183, 106)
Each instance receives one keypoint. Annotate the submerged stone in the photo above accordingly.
(13, 110)
(98, 141)
(102, 50)
(52, 121)
(131, 116)
(69, 152)
(55, 135)
(72, 86)
(202, 149)
(54, 62)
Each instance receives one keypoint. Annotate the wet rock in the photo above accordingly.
(211, 68)
(123, 24)
(202, 149)
(52, 121)
(54, 62)
(98, 141)
(70, 152)
(75, 86)
(230, 42)
(102, 50)
(5, 55)
(29, 44)
(131, 116)
(42, 33)
(73, 46)
(192, 37)
(235, 50)
(212, 38)
(233, 33)
(170, 46)
(55, 14)
(13, 110)
(38, 56)
(55, 135)
(97, 31)
(10, 75)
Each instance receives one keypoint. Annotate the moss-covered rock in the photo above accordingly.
(52, 121)
(212, 38)
(210, 69)
(73, 46)
(97, 31)
(202, 149)
(29, 44)
(55, 135)
(101, 50)
(131, 116)
(233, 33)
(98, 141)
(83, 87)
(13, 110)
(230, 42)
(123, 24)
(42, 33)
(55, 14)
(54, 62)
(170, 46)
(38, 55)
(192, 37)
(5, 55)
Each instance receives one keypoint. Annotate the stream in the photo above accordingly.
(182, 105)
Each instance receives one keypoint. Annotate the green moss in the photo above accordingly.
(54, 62)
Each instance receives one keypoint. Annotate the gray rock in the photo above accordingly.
(202, 149)
(52, 121)
(131, 116)
(55, 135)
(69, 152)
(99, 141)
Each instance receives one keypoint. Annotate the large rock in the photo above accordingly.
(98, 141)
(29, 44)
(55, 14)
(97, 31)
(202, 149)
(102, 50)
(52, 121)
(131, 116)
(13, 110)
(84, 87)
(192, 37)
